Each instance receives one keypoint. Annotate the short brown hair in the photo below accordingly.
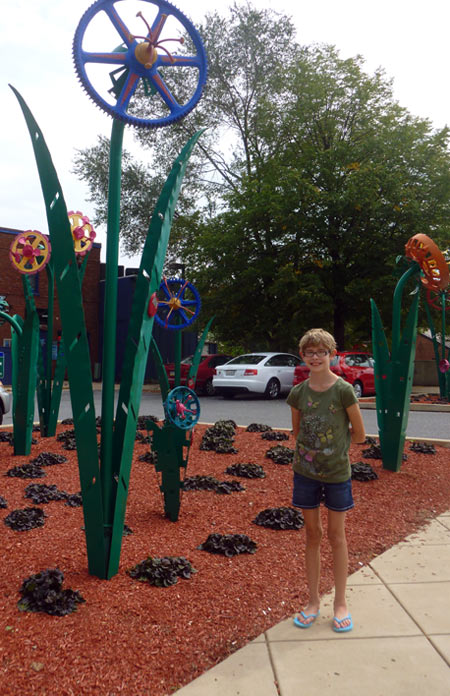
(317, 337)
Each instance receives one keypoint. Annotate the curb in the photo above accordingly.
(437, 408)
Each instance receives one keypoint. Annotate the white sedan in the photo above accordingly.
(270, 374)
(5, 401)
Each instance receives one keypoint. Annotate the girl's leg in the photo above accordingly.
(313, 529)
(338, 543)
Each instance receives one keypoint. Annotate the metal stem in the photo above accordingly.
(49, 345)
(177, 357)
(110, 318)
(396, 307)
(16, 326)
(442, 293)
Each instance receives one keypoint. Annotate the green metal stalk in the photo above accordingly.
(162, 374)
(443, 324)
(60, 370)
(110, 320)
(138, 342)
(177, 358)
(48, 361)
(440, 375)
(12, 320)
(192, 374)
(445, 390)
(394, 373)
(25, 347)
(75, 345)
(397, 305)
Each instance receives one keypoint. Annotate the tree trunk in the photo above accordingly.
(339, 323)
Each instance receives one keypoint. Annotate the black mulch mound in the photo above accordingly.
(228, 544)
(280, 518)
(423, 447)
(67, 437)
(26, 471)
(361, 471)
(149, 457)
(25, 519)
(258, 428)
(39, 493)
(6, 437)
(43, 592)
(209, 483)
(248, 470)
(374, 452)
(280, 454)
(219, 438)
(74, 500)
(162, 572)
(49, 459)
(274, 435)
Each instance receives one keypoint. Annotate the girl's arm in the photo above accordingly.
(357, 431)
(296, 415)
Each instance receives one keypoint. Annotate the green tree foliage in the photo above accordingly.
(309, 181)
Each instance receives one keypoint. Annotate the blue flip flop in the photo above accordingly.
(343, 629)
(300, 624)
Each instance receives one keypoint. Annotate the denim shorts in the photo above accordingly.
(308, 493)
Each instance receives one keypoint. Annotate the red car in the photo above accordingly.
(205, 372)
(353, 366)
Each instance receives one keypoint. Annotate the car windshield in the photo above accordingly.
(252, 359)
(188, 360)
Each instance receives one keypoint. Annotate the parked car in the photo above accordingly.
(353, 366)
(5, 401)
(205, 372)
(260, 373)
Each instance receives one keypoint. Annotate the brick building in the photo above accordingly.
(425, 370)
(93, 289)
(12, 288)
(425, 347)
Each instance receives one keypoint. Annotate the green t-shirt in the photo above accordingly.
(321, 450)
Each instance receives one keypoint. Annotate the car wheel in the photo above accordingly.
(272, 389)
(358, 389)
(208, 388)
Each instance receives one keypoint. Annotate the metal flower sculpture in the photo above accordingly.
(142, 68)
(394, 369)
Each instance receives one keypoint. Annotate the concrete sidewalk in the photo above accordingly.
(400, 644)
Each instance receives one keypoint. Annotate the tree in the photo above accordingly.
(309, 182)
(244, 66)
(356, 176)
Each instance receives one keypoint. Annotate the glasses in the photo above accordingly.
(312, 353)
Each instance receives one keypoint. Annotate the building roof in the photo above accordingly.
(427, 334)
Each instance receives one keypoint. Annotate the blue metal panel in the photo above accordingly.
(163, 338)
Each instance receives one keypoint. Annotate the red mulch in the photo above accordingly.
(428, 399)
(134, 639)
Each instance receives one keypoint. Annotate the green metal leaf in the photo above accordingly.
(138, 341)
(162, 374)
(192, 374)
(76, 343)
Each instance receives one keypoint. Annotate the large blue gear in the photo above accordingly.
(132, 68)
(175, 310)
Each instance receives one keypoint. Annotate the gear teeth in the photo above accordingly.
(112, 111)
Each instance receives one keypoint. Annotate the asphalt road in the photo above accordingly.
(245, 410)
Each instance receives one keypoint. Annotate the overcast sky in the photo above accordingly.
(408, 38)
